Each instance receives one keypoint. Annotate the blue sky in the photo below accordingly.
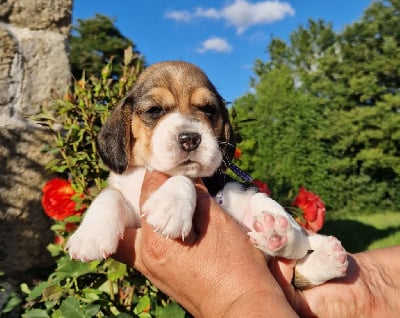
(224, 38)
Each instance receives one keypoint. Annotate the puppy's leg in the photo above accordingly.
(276, 233)
(102, 227)
(170, 209)
(269, 226)
(327, 260)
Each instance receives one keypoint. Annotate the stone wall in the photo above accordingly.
(34, 68)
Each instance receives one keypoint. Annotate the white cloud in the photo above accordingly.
(207, 13)
(215, 44)
(182, 16)
(242, 14)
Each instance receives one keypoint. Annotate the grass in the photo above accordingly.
(365, 232)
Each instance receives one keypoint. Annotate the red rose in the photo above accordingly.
(262, 187)
(238, 153)
(56, 200)
(313, 209)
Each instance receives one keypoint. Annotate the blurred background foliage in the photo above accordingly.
(327, 110)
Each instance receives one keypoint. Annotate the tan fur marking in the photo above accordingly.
(301, 282)
(141, 151)
(203, 96)
(162, 97)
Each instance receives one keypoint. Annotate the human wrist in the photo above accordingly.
(382, 282)
(259, 304)
(255, 298)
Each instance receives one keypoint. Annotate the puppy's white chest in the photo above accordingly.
(129, 184)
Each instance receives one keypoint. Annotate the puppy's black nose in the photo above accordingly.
(189, 140)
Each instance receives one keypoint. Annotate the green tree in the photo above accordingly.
(357, 80)
(344, 98)
(280, 146)
(97, 41)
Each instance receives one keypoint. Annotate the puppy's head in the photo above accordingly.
(173, 120)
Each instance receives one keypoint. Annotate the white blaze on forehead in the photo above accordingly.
(168, 156)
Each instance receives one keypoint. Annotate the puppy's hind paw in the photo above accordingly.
(270, 233)
(273, 230)
(327, 261)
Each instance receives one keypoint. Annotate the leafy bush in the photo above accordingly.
(96, 289)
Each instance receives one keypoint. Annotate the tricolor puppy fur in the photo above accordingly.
(174, 121)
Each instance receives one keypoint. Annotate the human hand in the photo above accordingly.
(215, 272)
(369, 289)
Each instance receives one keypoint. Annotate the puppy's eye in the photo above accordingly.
(209, 110)
(155, 112)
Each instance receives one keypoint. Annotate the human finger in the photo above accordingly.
(282, 269)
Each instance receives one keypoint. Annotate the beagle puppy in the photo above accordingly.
(174, 121)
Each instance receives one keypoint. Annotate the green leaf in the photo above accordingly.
(55, 249)
(91, 310)
(13, 301)
(59, 169)
(52, 293)
(70, 308)
(59, 226)
(171, 310)
(91, 294)
(36, 313)
(25, 288)
(115, 270)
(143, 305)
(123, 315)
(52, 163)
(37, 291)
(109, 287)
(73, 219)
(74, 268)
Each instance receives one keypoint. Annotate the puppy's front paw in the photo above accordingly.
(94, 242)
(170, 209)
(327, 260)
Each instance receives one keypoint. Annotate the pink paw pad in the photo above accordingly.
(339, 254)
(269, 232)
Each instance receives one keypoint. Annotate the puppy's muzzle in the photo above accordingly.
(189, 141)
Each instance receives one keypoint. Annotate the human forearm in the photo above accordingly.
(262, 304)
(371, 288)
(380, 270)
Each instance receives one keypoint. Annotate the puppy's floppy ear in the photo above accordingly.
(115, 137)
